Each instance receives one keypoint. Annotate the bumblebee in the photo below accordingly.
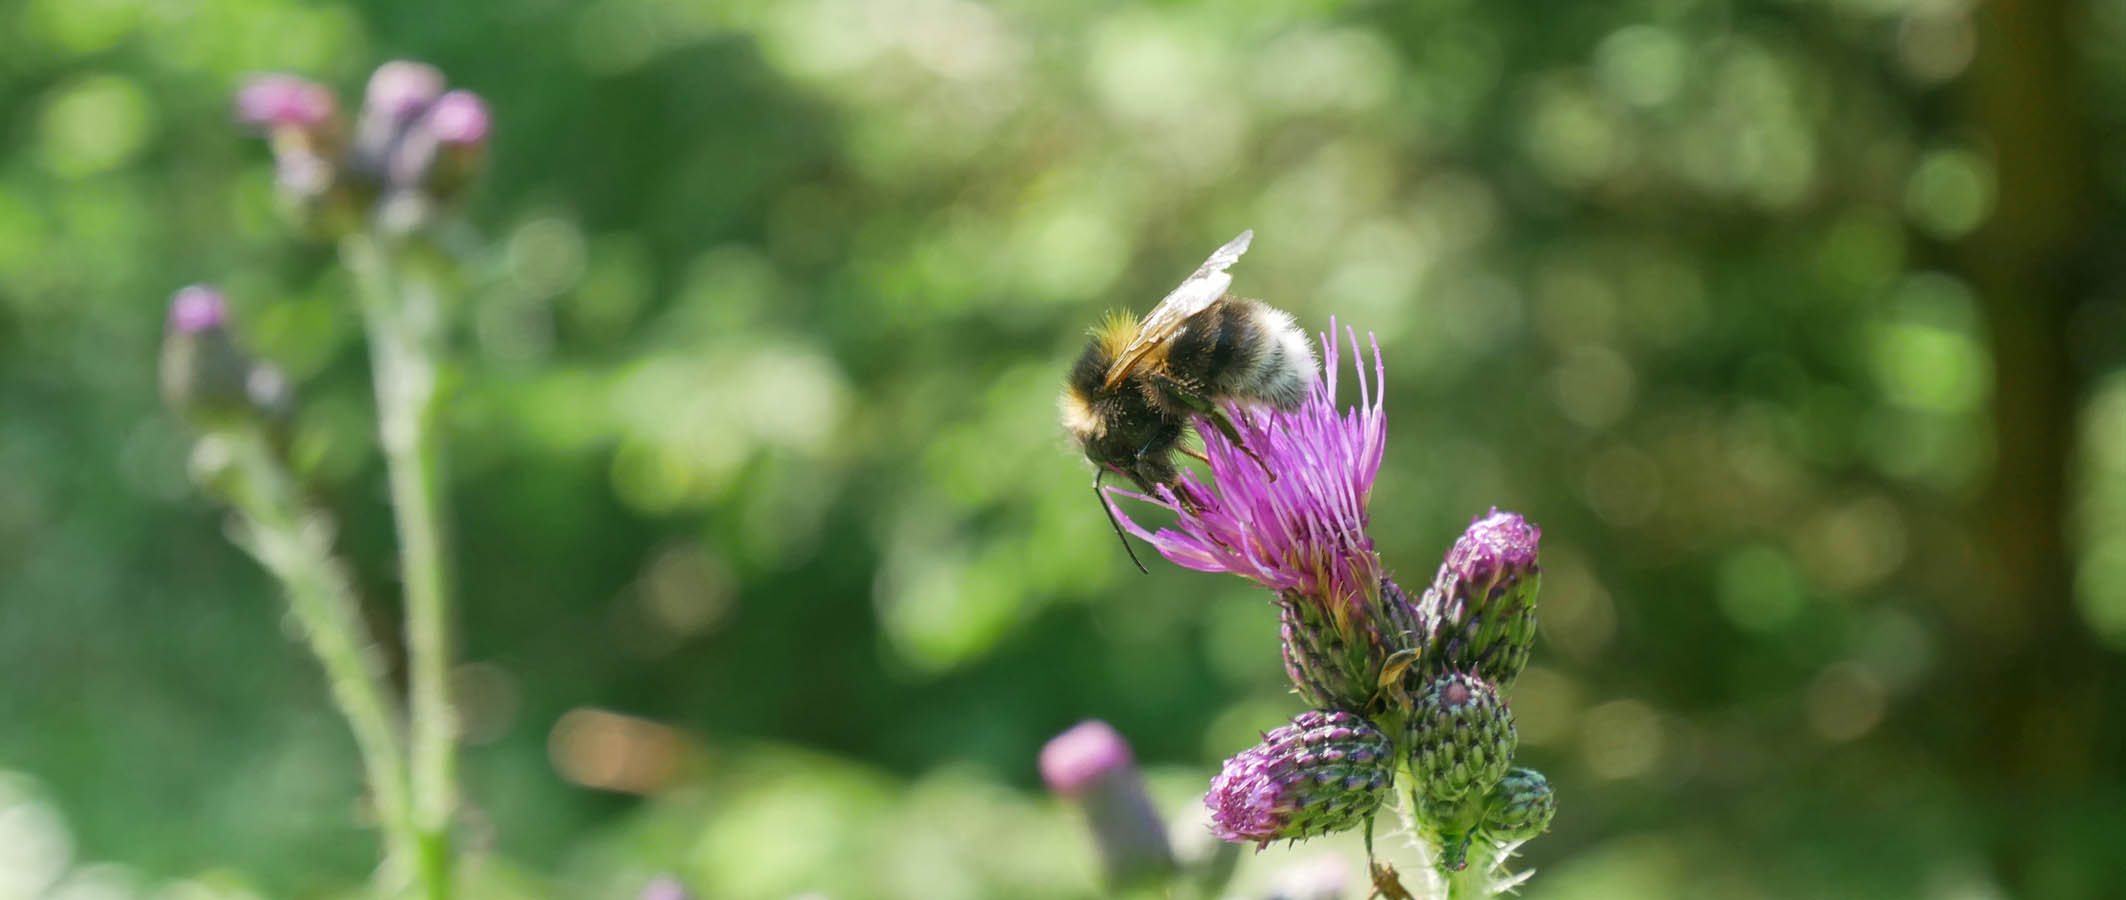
(1129, 399)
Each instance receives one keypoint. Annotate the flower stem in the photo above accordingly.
(401, 310)
(1474, 881)
(295, 545)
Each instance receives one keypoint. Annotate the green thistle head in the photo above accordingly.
(1461, 736)
(1520, 806)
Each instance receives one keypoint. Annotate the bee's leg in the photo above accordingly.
(1205, 408)
(1197, 454)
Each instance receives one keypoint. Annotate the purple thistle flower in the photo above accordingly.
(196, 308)
(1091, 765)
(459, 119)
(1324, 772)
(285, 101)
(1302, 531)
(400, 89)
(203, 372)
(1073, 760)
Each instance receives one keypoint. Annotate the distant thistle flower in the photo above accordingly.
(1091, 765)
(285, 101)
(1481, 607)
(415, 147)
(1324, 772)
(399, 92)
(442, 151)
(204, 373)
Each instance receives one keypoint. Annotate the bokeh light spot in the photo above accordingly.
(1759, 589)
(1950, 192)
(94, 124)
(1845, 702)
(1642, 64)
(1622, 739)
(1546, 705)
(35, 847)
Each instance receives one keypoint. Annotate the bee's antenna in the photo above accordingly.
(1117, 523)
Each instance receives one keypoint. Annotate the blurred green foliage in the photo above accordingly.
(1794, 324)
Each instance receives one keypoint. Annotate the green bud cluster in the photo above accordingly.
(1520, 806)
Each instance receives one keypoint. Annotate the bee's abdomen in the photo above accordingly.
(1262, 355)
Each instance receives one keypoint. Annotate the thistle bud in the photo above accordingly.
(1318, 658)
(1091, 765)
(1461, 736)
(204, 374)
(1352, 663)
(272, 102)
(1520, 806)
(399, 92)
(441, 152)
(1481, 607)
(1324, 772)
(301, 121)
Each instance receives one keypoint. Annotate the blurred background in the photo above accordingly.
(1800, 328)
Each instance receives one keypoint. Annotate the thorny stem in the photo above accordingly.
(295, 544)
(401, 310)
(1474, 881)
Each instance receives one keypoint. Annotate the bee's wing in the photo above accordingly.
(1200, 291)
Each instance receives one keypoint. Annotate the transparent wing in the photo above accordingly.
(1200, 291)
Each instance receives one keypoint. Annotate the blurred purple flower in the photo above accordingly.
(196, 308)
(1091, 765)
(401, 89)
(459, 118)
(1302, 530)
(276, 101)
(1075, 759)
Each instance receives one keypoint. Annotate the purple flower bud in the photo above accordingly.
(401, 89)
(1324, 772)
(204, 374)
(1461, 737)
(1091, 765)
(439, 153)
(285, 101)
(196, 308)
(1086, 753)
(459, 119)
(1480, 611)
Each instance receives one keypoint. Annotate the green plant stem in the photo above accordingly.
(1474, 881)
(401, 310)
(295, 545)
